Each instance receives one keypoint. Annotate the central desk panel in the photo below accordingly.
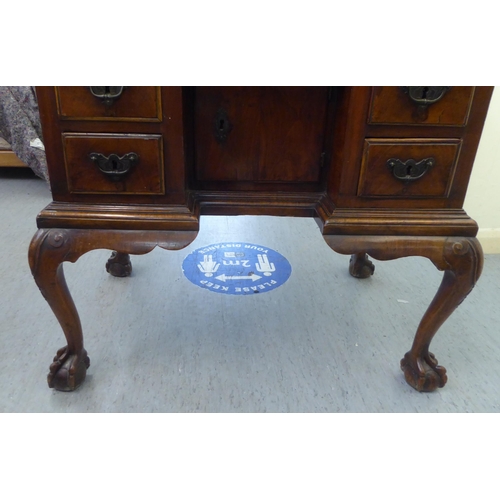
(247, 135)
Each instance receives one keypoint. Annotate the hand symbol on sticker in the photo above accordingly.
(264, 266)
(208, 266)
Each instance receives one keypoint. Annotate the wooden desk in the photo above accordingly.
(384, 170)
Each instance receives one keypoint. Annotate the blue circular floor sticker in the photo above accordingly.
(236, 268)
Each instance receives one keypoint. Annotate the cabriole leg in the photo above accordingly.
(49, 248)
(119, 265)
(360, 266)
(465, 260)
(460, 258)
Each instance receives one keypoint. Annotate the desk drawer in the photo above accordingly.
(410, 168)
(142, 104)
(260, 134)
(114, 164)
(395, 105)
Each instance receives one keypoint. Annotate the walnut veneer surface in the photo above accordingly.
(383, 170)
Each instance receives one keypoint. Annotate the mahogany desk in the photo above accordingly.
(384, 170)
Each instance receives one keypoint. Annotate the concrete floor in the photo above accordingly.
(322, 342)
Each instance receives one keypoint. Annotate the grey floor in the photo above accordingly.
(322, 342)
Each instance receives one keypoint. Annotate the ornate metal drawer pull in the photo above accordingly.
(107, 94)
(409, 170)
(113, 166)
(425, 96)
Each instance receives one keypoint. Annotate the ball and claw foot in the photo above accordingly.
(360, 266)
(68, 371)
(423, 373)
(119, 265)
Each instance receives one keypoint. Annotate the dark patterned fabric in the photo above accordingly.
(20, 125)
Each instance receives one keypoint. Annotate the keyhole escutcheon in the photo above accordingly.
(222, 126)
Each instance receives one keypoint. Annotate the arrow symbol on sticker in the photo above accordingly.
(224, 278)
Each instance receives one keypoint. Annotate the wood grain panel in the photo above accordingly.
(377, 180)
(276, 133)
(135, 104)
(85, 177)
(393, 105)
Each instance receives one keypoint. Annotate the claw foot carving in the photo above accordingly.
(119, 265)
(68, 371)
(423, 373)
(360, 266)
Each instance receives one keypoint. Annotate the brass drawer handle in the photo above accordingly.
(113, 166)
(107, 94)
(409, 170)
(425, 96)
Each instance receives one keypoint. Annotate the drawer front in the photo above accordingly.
(260, 134)
(114, 164)
(395, 105)
(133, 103)
(393, 168)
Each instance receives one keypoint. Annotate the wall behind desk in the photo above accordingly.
(482, 202)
